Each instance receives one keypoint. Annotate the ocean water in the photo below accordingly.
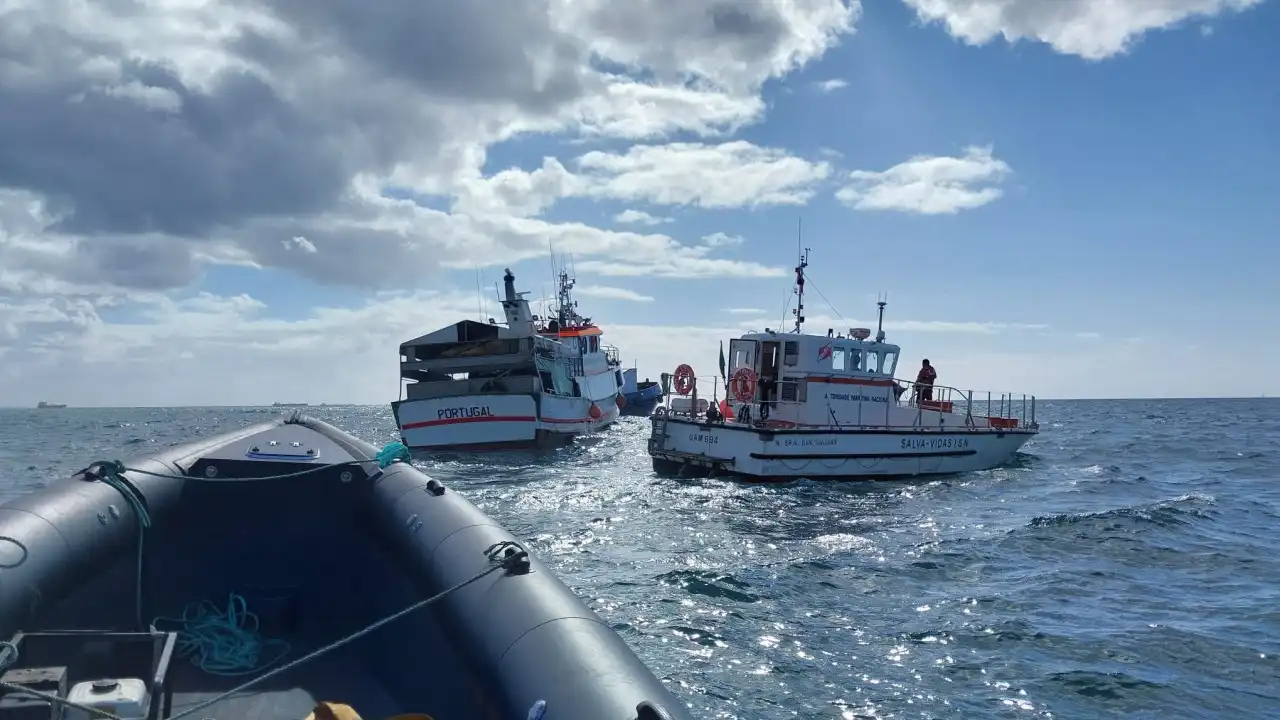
(1126, 564)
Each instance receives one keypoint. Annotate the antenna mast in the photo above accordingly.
(880, 323)
(799, 311)
(567, 307)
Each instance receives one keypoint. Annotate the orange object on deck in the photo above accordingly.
(999, 422)
(941, 405)
(726, 410)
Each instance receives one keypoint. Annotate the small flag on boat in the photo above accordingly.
(722, 361)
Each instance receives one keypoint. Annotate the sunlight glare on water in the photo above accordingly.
(1124, 566)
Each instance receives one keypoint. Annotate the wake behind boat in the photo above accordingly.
(254, 574)
(474, 386)
(817, 406)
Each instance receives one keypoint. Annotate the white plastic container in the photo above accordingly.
(126, 698)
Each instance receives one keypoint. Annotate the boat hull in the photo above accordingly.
(316, 557)
(682, 445)
(499, 422)
(642, 401)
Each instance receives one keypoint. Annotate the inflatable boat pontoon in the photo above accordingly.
(292, 556)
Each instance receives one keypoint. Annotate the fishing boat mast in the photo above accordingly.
(799, 311)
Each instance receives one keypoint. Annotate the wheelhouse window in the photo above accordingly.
(854, 361)
(742, 353)
(837, 359)
(791, 353)
(888, 361)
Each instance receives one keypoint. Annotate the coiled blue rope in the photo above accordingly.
(224, 643)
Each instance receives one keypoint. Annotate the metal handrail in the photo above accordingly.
(1003, 411)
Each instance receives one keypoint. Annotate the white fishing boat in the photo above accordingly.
(814, 406)
(533, 382)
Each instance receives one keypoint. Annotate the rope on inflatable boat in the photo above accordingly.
(506, 555)
(112, 473)
(225, 644)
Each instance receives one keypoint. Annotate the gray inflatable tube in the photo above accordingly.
(515, 640)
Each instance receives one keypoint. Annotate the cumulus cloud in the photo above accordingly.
(820, 323)
(725, 175)
(612, 293)
(640, 217)
(149, 141)
(929, 185)
(831, 85)
(1092, 29)
(719, 239)
(157, 138)
(300, 243)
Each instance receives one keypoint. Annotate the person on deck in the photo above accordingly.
(924, 381)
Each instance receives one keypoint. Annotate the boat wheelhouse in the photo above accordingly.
(525, 383)
(801, 405)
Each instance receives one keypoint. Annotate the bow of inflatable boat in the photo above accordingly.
(288, 570)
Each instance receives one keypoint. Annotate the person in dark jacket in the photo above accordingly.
(924, 381)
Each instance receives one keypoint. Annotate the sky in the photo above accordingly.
(231, 202)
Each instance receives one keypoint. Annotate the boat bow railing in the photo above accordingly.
(985, 408)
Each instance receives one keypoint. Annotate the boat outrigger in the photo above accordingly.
(477, 386)
(813, 406)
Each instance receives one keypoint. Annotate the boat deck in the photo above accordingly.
(325, 582)
(290, 695)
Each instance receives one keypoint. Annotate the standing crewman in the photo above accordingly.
(924, 381)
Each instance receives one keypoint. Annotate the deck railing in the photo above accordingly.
(936, 407)
(611, 355)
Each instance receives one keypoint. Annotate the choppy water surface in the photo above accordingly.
(1127, 564)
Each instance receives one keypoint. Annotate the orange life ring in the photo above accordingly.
(743, 384)
(684, 379)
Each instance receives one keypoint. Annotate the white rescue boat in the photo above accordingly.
(813, 406)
